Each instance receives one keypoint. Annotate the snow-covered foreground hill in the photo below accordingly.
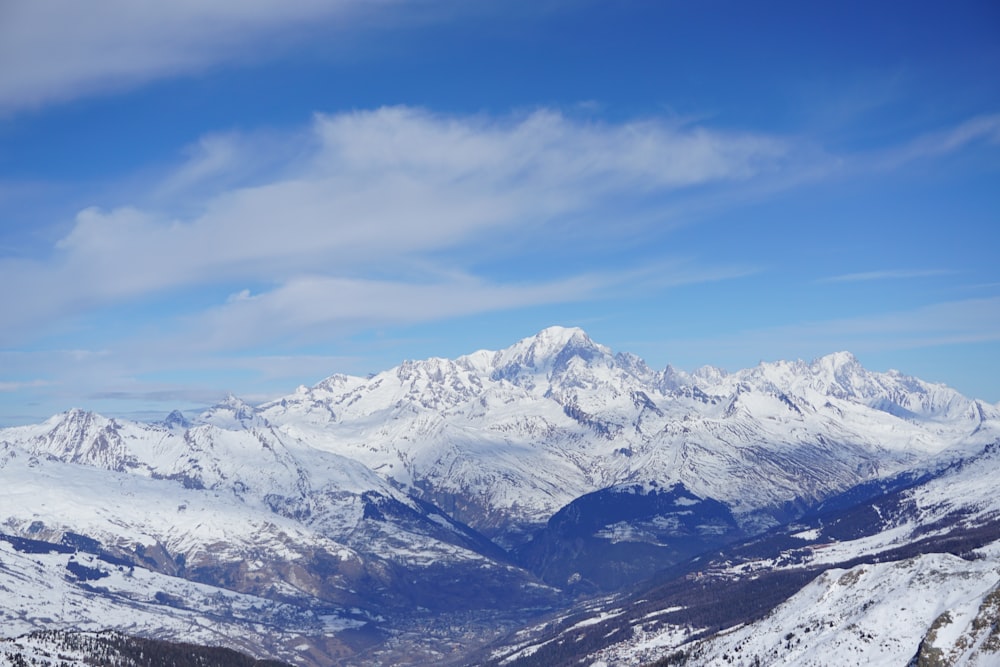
(940, 608)
(892, 572)
(936, 608)
(351, 522)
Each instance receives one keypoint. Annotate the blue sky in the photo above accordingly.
(202, 198)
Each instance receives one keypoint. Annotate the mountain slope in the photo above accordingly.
(606, 540)
(898, 568)
(251, 471)
(48, 587)
(932, 609)
(244, 508)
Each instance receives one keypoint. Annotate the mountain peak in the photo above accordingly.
(548, 352)
(176, 419)
(554, 340)
(837, 360)
(232, 413)
(672, 379)
(76, 419)
(710, 374)
(564, 334)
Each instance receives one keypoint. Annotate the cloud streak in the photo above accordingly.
(370, 197)
(886, 274)
(21, 386)
(66, 49)
(980, 129)
(311, 307)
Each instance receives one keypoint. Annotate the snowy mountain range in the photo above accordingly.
(504, 439)
(412, 516)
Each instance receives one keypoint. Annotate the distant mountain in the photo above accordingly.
(246, 466)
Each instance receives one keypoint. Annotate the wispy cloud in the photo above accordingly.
(886, 274)
(968, 320)
(65, 49)
(311, 308)
(141, 376)
(366, 198)
(985, 129)
(9, 386)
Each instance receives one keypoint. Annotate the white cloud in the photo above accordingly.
(213, 156)
(311, 308)
(60, 49)
(985, 128)
(368, 197)
(545, 148)
(10, 386)
(935, 324)
(886, 274)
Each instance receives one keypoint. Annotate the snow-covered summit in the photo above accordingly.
(176, 420)
(547, 354)
(231, 413)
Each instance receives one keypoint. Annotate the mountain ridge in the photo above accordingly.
(606, 418)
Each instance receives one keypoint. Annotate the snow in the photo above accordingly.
(594, 620)
(871, 614)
